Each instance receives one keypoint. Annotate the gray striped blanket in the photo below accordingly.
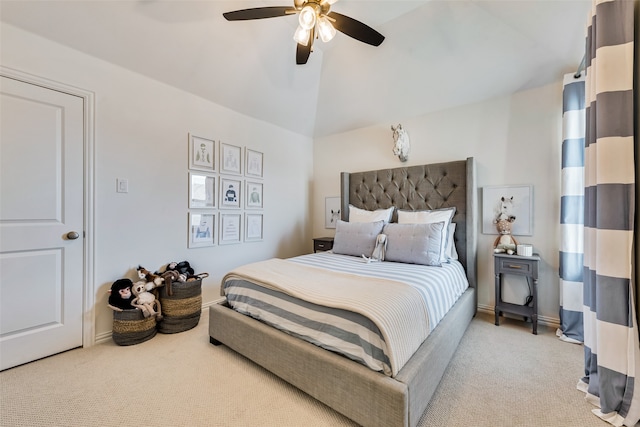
(377, 314)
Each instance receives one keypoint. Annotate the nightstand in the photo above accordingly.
(322, 244)
(526, 266)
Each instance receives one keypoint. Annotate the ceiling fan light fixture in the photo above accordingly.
(307, 18)
(325, 29)
(301, 36)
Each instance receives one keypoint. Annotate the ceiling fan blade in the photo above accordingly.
(302, 51)
(259, 13)
(356, 29)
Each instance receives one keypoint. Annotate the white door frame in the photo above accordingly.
(88, 310)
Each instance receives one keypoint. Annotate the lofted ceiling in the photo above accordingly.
(437, 54)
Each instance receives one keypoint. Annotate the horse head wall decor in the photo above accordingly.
(401, 144)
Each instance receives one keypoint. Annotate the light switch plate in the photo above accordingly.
(122, 185)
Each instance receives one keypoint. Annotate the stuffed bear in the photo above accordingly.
(120, 296)
(146, 301)
(152, 280)
(505, 242)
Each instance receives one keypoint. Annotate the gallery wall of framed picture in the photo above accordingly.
(225, 194)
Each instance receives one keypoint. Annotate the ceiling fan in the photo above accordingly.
(316, 20)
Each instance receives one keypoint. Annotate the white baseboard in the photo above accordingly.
(106, 336)
(551, 322)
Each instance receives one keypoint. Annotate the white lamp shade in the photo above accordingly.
(325, 29)
(301, 36)
(307, 18)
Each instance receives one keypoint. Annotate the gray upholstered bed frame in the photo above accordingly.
(367, 397)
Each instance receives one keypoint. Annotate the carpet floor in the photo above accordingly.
(500, 376)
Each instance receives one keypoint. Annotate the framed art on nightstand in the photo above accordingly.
(331, 211)
(202, 154)
(519, 203)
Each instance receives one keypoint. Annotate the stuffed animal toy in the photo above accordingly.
(184, 270)
(146, 301)
(152, 280)
(180, 272)
(505, 242)
(169, 277)
(120, 295)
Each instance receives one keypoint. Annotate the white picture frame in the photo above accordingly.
(254, 193)
(522, 208)
(254, 163)
(254, 223)
(230, 193)
(202, 229)
(230, 229)
(331, 211)
(202, 190)
(202, 153)
(230, 159)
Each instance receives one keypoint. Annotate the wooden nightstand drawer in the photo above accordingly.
(515, 266)
(322, 244)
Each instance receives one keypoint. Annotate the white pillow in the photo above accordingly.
(429, 217)
(451, 251)
(363, 215)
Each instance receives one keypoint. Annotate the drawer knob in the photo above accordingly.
(515, 266)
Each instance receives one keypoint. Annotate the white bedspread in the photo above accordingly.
(398, 309)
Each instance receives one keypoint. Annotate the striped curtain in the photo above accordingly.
(572, 209)
(612, 353)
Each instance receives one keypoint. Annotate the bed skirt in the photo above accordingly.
(369, 398)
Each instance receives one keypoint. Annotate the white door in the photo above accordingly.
(41, 207)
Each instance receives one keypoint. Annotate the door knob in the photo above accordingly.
(72, 235)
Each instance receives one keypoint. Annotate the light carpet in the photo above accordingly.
(500, 376)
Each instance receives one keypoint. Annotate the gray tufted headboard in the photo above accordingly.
(422, 187)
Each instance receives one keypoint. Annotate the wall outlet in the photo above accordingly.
(122, 185)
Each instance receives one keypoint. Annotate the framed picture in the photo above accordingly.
(202, 154)
(253, 227)
(254, 163)
(254, 195)
(201, 229)
(331, 211)
(512, 200)
(230, 193)
(230, 228)
(202, 193)
(230, 159)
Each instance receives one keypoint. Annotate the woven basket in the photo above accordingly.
(180, 310)
(131, 327)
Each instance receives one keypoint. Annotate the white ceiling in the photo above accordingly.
(437, 53)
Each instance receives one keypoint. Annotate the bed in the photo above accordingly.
(367, 396)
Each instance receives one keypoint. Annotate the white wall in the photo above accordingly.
(141, 129)
(141, 134)
(515, 140)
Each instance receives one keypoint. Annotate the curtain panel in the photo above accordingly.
(572, 209)
(612, 353)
